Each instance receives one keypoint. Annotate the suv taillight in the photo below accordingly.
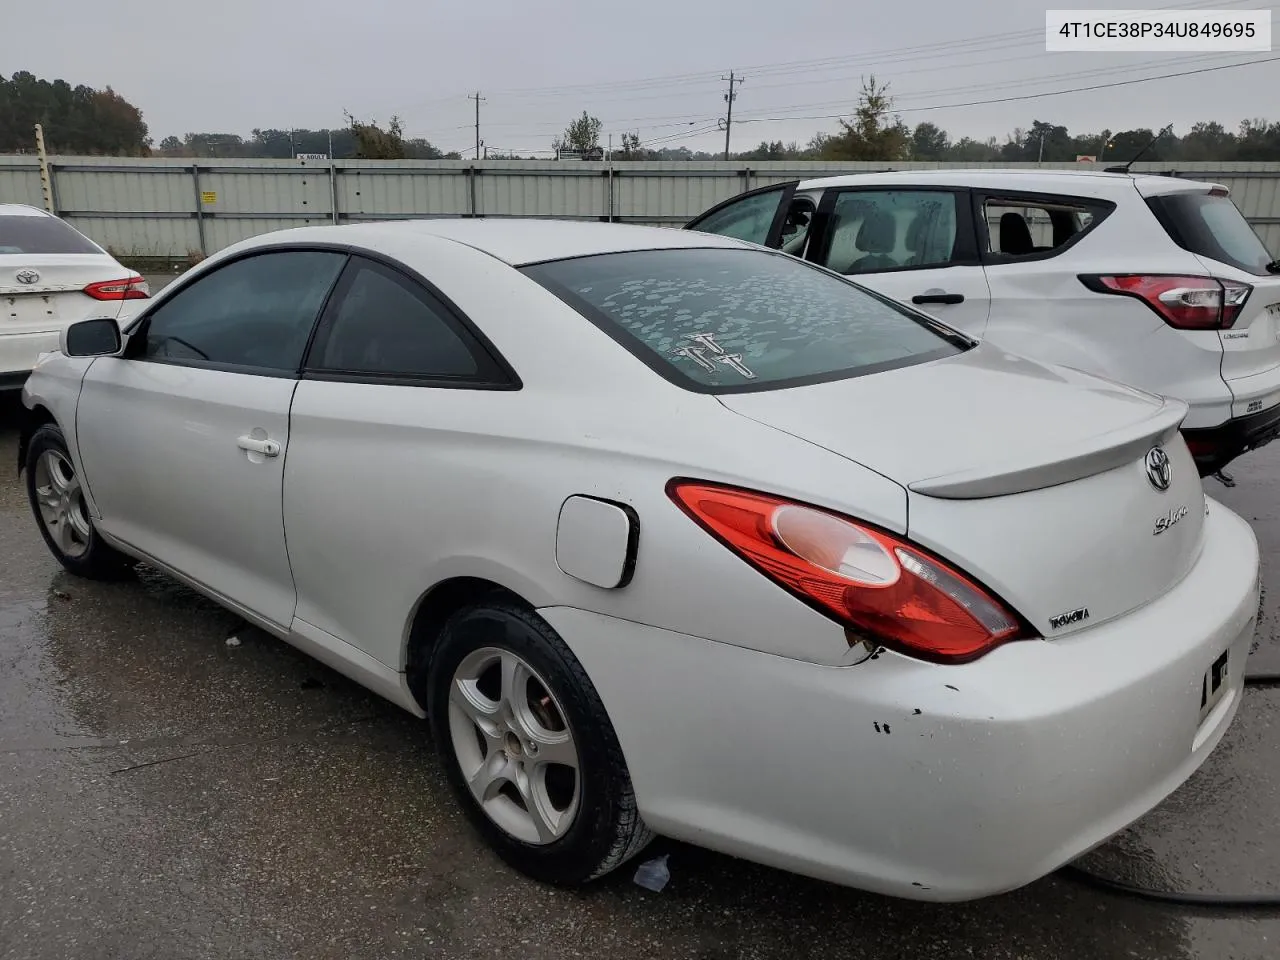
(1188, 303)
(128, 288)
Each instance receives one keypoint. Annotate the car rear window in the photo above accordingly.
(26, 234)
(1213, 227)
(726, 320)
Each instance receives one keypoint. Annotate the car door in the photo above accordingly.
(380, 431)
(183, 437)
(914, 244)
(760, 215)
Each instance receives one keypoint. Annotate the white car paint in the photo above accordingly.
(42, 290)
(1038, 307)
(751, 722)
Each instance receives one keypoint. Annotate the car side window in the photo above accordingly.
(1021, 228)
(749, 218)
(256, 313)
(795, 227)
(383, 324)
(876, 230)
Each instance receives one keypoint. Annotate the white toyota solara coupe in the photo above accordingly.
(666, 532)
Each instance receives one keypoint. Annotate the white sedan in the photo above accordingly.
(667, 532)
(51, 275)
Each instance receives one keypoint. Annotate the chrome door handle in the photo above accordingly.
(268, 448)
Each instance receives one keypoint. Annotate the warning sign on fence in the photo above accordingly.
(208, 196)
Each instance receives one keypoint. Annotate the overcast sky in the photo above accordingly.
(651, 66)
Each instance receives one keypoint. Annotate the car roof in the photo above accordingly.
(1086, 182)
(517, 241)
(21, 210)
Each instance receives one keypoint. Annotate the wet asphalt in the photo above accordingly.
(166, 795)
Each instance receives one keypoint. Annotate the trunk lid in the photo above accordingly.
(1031, 478)
(55, 297)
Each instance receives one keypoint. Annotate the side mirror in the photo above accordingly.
(91, 338)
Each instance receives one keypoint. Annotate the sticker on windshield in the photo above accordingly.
(706, 353)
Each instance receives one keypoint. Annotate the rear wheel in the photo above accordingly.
(529, 749)
(58, 502)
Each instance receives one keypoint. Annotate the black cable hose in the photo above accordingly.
(1231, 901)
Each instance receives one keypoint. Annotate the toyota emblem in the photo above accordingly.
(1159, 470)
(27, 277)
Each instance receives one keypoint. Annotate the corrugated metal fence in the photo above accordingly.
(163, 207)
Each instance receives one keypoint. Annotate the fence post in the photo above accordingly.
(195, 183)
(471, 193)
(46, 178)
(333, 190)
(609, 219)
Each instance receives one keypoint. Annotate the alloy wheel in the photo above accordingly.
(515, 749)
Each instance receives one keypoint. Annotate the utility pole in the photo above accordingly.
(729, 98)
(477, 98)
(1040, 158)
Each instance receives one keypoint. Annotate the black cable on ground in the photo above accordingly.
(1230, 901)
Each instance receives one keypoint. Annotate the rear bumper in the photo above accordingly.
(1215, 447)
(921, 781)
(18, 354)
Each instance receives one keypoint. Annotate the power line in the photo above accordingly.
(1030, 96)
(934, 50)
(682, 120)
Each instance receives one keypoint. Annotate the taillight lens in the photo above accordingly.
(1188, 303)
(128, 288)
(865, 579)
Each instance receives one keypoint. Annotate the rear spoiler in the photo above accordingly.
(1065, 463)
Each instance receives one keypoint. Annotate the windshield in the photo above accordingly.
(728, 320)
(38, 234)
(1212, 227)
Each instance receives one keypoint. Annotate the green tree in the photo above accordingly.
(1207, 141)
(1042, 141)
(1125, 145)
(1257, 140)
(631, 149)
(75, 119)
(582, 134)
(968, 150)
(374, 143)
(872, 134)
(214, 145)
(929, 142)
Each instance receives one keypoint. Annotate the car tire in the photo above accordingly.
(57, 501)
(605, 828)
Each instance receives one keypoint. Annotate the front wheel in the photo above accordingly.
(58, 502)
(529, 749)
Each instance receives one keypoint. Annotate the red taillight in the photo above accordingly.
(871, 581)
(128, 288)
(1188, 303)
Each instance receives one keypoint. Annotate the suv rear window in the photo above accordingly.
(724, 320)
(27, 234)
(1212, 227)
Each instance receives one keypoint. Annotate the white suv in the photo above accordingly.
(1153, 281)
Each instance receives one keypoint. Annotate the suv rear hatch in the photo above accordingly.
(1032, 479)
(1202, 219)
